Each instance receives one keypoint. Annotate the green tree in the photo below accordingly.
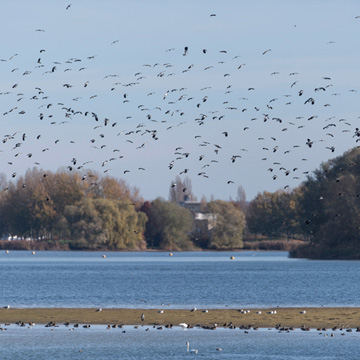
(330, 208)
(227, 224)
(169, 226)
(274, 214)
(123, 226)
(85, 225)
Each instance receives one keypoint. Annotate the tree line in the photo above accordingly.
(90, 211)
(324, 211)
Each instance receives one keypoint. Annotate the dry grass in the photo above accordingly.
(314, 317)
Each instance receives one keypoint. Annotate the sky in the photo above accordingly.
(265, 92)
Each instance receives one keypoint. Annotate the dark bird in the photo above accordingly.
(332, 148)
(310, 100)
(309, 143)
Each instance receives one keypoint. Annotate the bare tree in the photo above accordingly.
(180, 190)
(241, 199)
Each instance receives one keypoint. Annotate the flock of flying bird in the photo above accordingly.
(225, 111)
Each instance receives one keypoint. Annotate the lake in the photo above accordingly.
(184, 280)
(40, 343)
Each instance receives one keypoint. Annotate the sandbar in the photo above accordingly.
(312, 317)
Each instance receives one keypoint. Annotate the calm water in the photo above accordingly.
(98, 343)
(202, 279)
(156, 280)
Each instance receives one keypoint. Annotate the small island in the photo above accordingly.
(304, 318)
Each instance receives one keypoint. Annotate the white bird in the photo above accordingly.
(194, 351)
(184, 325)
(98, 310)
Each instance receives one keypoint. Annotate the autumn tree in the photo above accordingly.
(83, 208)
(30, 210)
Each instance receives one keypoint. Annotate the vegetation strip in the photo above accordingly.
(340, 317)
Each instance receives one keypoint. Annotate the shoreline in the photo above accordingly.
(314, 317)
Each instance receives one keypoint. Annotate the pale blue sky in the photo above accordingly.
(314, 39)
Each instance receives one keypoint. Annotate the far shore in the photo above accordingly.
(248, 244)
(309, 317)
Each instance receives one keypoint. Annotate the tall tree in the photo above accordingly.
(179, 190)
(241, 199)
(227, 225)
(169, 226)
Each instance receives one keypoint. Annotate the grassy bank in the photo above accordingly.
(288, 317)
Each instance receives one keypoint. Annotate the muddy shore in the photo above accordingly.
(288, 317)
